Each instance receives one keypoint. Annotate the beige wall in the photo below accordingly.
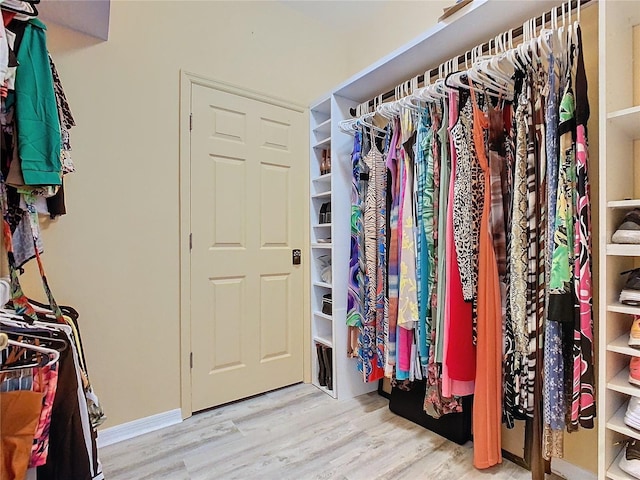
(394, 24)
(115, 255)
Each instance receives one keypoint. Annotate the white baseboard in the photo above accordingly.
(570, 471)
(128, 430)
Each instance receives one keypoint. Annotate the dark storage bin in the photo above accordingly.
(327, 304)
(453, 426)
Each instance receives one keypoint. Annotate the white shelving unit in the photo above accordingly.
(321, 237)
(619, 128)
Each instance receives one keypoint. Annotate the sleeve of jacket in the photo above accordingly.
(36, 110)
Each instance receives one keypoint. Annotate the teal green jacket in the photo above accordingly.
(36, 110)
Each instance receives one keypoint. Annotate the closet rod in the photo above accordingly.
(517, 33)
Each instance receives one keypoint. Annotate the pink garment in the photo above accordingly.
(45, 382)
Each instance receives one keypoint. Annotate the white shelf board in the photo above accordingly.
(617, 424)
(322, 225)
(322, 245)
(322, 194)
(622, 308)
(621, 345)
(323, 178)
(324, 389)
(629, 203)
(615, 473)
(627, 120)
(623, 250)
(323, 340)
(323, 315)
(620, 383)
(322, 143)
(322, 284)
(323, 128)
(322, 106)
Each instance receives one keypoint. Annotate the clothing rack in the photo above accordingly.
(461, 59)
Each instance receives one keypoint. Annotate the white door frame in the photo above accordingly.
(187, 80)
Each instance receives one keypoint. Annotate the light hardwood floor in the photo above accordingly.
(297, 433)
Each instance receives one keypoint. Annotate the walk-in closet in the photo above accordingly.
(320, 239)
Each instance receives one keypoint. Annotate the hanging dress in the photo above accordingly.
(443, 202)
(408, 300)
(460, 357)
(393, 259)
(458, 352)
(423, 148)
(468, 200)
(583, 408)
(518, 265)
(553, 392)
(355, 285)
(561, 286)
(487, 401)
(371, 363)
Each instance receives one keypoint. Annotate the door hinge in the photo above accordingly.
(190, 121)
(191, 359)
(191, 241)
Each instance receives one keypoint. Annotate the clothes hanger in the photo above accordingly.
(454, 80)
(487, 72)
(545, 36)
(28, 9)
(574, 27)
(408, 101)
(389, 110)
(51, 356)
(369, 114)
(58, 344)
(347, 126)
(435, 91)
(477, 75)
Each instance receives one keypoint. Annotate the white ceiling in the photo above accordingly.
(87, 16)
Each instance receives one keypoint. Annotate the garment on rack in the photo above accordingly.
(20, 411)
(583, 408)
(393, 166)
(488, 387)
(443, 203)
(355, 291)
(488, 250)
(39, 140)
(459, 351)
(553, 392)
(371, 339)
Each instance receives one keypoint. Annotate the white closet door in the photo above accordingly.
(247, 214)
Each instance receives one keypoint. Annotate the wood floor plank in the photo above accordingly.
(297, 433)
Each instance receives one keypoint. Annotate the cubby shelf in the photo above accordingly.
(620, 383)
(627, 120)
(623, 250)
(622, 308)
(621, 345)
(615, 473)
(617, 424)
(627, 203)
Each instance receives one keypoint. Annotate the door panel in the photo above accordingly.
(247, 214)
